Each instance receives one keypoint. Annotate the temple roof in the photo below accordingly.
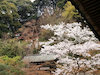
(90, 10)
(39, 58)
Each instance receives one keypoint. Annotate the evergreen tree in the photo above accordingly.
(26, 9)
(9, 17)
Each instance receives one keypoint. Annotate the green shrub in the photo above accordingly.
(9, 70)
(70, 13)
(3, 67)
(45, 35)
(15, 61)
(11, 66)
(12, 48)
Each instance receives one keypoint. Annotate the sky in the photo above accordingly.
(32, 0)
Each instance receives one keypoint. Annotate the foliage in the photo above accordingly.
(15, 61)
(11, 66)
(70, 12)
(44, 3)
(8, 17)
(61, 3)
(45, 35)
(26, 9)
(36, 51)
(15, 12)
(12, 48)
(9, 70)
(66, 13)
(73, 48)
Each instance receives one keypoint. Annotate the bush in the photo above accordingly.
(70, 13)
(9, 70)
(12, 48)
(4, 69)
(45, 35)
(15, 61)
(11, 66)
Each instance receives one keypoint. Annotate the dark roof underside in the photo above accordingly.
(90, 9)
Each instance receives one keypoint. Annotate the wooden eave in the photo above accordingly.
(90, 10)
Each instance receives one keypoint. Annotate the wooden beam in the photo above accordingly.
(78, 4)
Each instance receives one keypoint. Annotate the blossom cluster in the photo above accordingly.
(72, 47)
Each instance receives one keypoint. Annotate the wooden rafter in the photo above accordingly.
(90, 10)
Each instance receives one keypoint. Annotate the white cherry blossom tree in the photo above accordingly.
(72, 47)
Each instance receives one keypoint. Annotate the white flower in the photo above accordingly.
(72, 49)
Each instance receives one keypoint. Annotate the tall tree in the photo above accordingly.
(9, 17)
(26, 9)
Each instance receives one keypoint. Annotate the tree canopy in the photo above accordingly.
(9, 17)
(26, 9)
(15, 12)
(69, 11)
